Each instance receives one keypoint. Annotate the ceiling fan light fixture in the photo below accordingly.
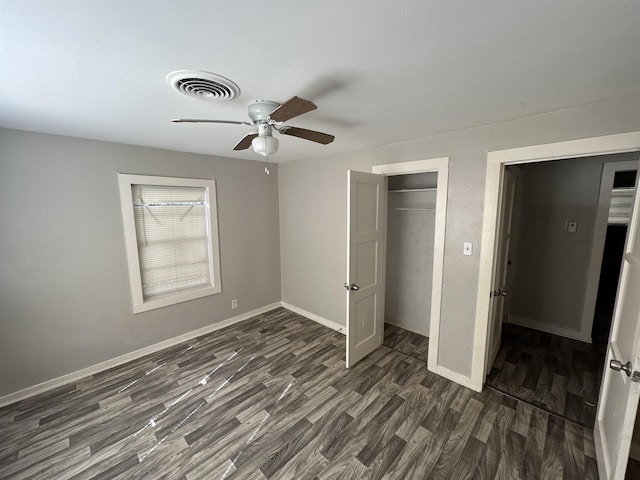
(265, 145)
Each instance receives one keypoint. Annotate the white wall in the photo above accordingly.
(409, 271)
(65, 302)
(313, 211)
(551, 264)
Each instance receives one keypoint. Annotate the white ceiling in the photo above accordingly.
(380, 72)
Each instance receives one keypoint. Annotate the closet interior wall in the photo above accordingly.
(410, 241)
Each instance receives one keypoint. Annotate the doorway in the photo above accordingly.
(547, 357)
(361, 208)
(411, 208)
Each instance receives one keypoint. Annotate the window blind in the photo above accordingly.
(171, 232)
(621, 206)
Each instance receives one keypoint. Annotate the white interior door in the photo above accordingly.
(499, 292)
(366, 235)
(620, 389)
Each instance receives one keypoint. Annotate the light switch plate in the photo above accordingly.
(468, 248)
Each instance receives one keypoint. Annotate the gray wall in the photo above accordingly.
(313, 214)
(550, 264)
(65, 302)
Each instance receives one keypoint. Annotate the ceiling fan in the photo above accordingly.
(269, 116)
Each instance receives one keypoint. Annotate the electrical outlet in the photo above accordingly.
(234, 303)
(572, 226)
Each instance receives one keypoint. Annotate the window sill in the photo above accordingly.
(177, 297)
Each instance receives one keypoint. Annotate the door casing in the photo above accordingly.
(441, 167)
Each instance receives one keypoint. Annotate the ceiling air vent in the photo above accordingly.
(203, 85)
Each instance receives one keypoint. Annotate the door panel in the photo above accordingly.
(367, 218)
(629, 308)
(366, 233)
(619, 394)
(366, 254)
(498, 306)
(364, 328)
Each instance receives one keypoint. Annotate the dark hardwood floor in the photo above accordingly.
(270, 398)
(554, 373)
(633, 470)
(406, 342)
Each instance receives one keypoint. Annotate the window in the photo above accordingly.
(171, 236)
(622, 194)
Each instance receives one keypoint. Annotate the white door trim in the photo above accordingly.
(597, 246)
(587, 147)
(441, 166)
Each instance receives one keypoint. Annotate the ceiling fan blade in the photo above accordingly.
(197, 120)
(245, 142)
(292, 108)
(319, 137)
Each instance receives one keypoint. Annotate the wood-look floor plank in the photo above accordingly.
(415, 448)
(460, 434)
(406, 342)
(553, 456)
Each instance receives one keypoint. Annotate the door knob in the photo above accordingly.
(617, 365)
(353, 287)
(500, 293)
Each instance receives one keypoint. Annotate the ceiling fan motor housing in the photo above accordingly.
(260, 110)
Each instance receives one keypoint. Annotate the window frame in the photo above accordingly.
(140, 304)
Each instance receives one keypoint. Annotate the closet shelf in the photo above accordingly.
(405, 190)
(413, 208)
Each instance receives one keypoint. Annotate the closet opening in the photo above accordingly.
(411, 220)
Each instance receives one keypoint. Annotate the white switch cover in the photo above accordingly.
(234, 303)
(468, 248)
(572, 226)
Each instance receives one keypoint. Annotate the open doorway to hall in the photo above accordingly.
(411, 210)
(556, 309)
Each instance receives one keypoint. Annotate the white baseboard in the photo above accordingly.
(455, 377)
(316, 318)
(412, 327)
(442, 371)
(550, 328)
(127, 357)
